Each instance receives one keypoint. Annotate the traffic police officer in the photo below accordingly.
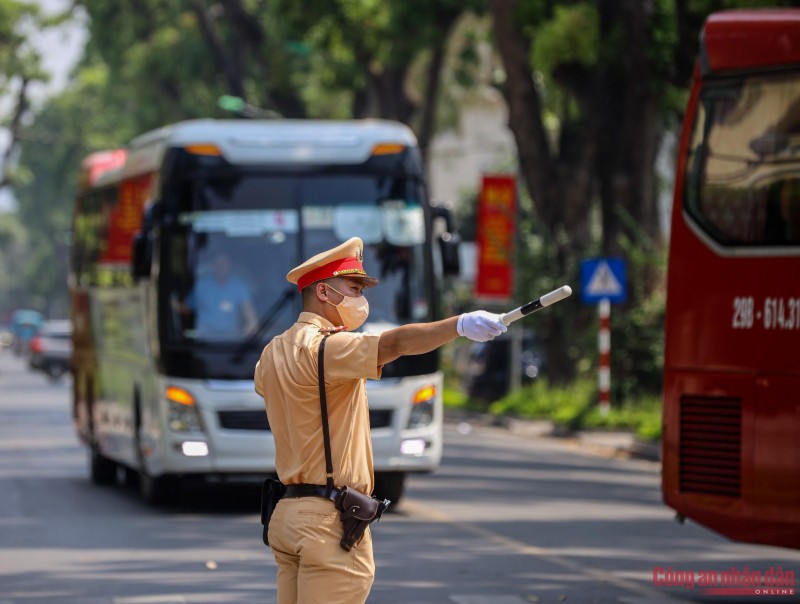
(305, 531)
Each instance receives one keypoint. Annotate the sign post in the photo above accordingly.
(603, 281)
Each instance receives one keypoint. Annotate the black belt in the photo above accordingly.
(310, 490)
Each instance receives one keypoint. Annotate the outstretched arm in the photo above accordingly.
(419, 338)
(415, 338)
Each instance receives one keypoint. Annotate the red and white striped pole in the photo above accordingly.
(604, 348)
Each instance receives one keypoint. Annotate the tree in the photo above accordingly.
(342, 58)
(20, 66)
(556, 167)
(88, 116)
(149, 63)
(369, 48)
(591, 86)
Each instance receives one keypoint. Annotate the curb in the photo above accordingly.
(604, 442)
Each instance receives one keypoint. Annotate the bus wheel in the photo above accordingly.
(157, 490)
(101, 469)
(390, 485)
(130, 477)
(154, 490)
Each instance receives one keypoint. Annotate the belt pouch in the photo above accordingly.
(357, 512)
(271, 492)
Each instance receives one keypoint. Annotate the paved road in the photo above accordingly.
(506, 520)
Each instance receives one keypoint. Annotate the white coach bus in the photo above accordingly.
(181, 245)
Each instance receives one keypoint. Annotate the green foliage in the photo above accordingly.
(88, 116)
(18, 59)
(574, 406)
(641, 415)
(13, 248)
(572, 35)
(454, 398)
(637, 327)
(150, 63)
(133, 41)
(637, 348)
(565, 405)
(537, 255)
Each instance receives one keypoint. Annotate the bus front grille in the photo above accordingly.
(243, 420)
(711, 446)
(257, 420)
(380, 418)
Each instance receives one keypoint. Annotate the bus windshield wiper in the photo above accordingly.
(267, 319)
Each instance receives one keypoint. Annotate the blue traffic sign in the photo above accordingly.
(603, 278)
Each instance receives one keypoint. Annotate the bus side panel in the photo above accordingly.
(121, 364)
(732, 335)
(776, 457)
(701, 456)
(705, 474)
(731, 427)
(82, 362)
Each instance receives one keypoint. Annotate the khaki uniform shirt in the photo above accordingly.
(286, 376)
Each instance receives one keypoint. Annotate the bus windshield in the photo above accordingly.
(236, 238)
(743, 166)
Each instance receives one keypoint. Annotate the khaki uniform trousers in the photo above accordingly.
(304, 534)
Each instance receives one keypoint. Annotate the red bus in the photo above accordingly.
(731, 439)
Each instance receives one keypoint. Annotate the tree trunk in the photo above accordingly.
(525, 111)
(227, 62)
(14, 131)
(389, 91)
(560, 185)
(627, 124)
(428, 117)
(427, 122)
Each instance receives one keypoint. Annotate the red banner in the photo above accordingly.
(496, 230)
(125, 219)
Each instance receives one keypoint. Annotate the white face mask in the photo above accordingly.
(353, 311)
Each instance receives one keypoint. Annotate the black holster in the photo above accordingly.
(357, 512)
(271, 492)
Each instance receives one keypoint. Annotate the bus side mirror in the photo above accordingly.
(448, 240)
(448, 245)
(142, 252)
(142, 255)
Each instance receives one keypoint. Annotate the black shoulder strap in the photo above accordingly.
(323, 403)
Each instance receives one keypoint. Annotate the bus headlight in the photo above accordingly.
(182, 413)
(422, 407)
(194, 448)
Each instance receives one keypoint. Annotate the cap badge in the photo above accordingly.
(359, 255)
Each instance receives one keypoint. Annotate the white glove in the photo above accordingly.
(480, 326)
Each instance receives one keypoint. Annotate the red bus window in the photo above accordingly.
(744, 161)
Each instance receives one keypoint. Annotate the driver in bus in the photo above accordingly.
(305, 530)
(221, 302)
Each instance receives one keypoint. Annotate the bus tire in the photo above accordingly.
(390, 485)
(157, 490)
(130, 477)
(101, 469)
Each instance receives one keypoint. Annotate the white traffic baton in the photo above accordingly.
(565, 291)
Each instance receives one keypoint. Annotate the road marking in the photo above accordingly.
(167, 599)
(488, 600)
(526, 549)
